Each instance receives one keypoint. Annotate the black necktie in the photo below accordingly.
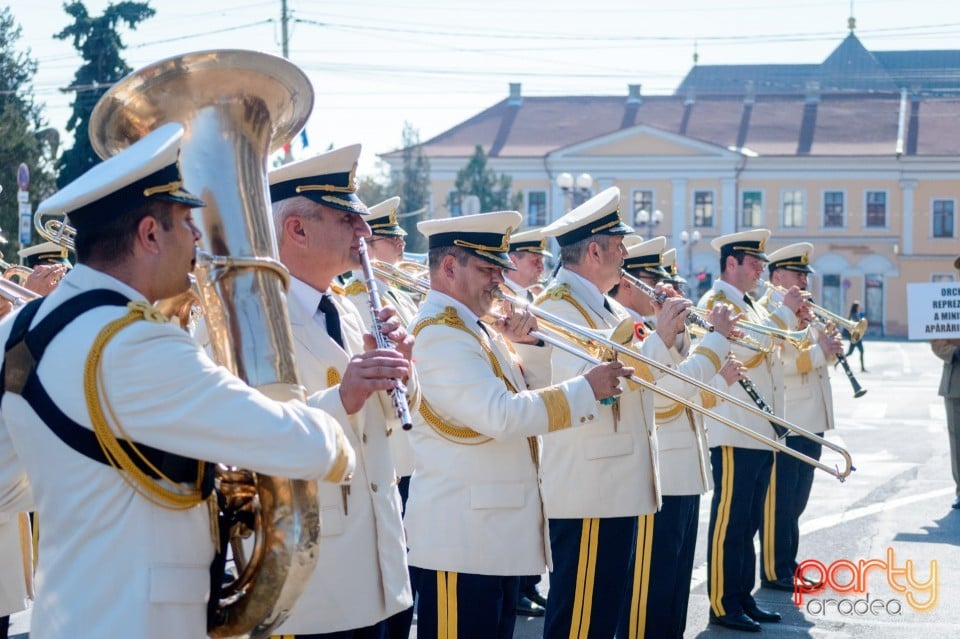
(749, 302)
(606, 305)
(332, 317)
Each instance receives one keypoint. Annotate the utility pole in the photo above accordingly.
(284, 33)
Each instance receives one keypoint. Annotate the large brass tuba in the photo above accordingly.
(236, 108)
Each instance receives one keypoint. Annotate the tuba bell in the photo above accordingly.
(236, 107)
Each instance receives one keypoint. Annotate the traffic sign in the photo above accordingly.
(23, 177)
(26, 217)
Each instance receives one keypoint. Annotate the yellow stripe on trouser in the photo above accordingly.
(586, 569)
(641, 577)
(770, 526)
(283, 637)
(720, 532)
(446, 605)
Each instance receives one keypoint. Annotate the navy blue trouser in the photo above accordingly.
(463, 605)
(740, 477)
(656, 604)
(592, 564)
(376, 631)
(790, 484)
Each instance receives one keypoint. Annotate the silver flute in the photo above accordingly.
(399, 392)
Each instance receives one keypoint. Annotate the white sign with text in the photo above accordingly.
(933, 310)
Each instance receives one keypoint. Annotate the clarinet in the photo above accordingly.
(858, 390)
(693, 318)
(399, 392)
(751, 390)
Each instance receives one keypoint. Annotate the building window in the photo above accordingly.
(876, 209)
(536, 208)
(942, 277)
(703, 208)
(454, 204)
(642, 201)
(832, 299)
(832, 209)
(751, 209)
(793, 214)
(943, 218)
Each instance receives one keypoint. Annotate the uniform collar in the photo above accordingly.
(305, 295)
(594, 296)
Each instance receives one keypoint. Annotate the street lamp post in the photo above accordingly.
(690, 240)
(575, 191)
(647, 221)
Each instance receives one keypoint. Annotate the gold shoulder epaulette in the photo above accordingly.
(355, 287)
(448, 317)
(562, 292)
(336, 288)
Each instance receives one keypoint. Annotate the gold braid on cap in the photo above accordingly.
(503, 248)
(163, 188)
(351, 186)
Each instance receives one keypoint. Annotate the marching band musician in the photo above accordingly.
(674, 278)
(361, 576)
(666, 541)
(475, 515)
(741, 466)
(49, 263)
(808, 400)
(527, 251)
(137, 515)
(597, 480)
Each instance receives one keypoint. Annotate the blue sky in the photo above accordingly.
(377, 63)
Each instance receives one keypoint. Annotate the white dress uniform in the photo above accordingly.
(475, 503)
(361, 575)
(168, 395)
(356, 292)
(607, 468)
(16, 558)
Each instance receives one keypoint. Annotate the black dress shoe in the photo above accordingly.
(736, 622)
(783, 583)
(758, 614)
(527, 608)
(535, 596)
(956, 503)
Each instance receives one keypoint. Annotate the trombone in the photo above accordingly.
(14, 272)
(55, 230)
(828, 320)
(579, 341)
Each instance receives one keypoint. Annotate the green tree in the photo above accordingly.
(413, 184)
(476, 178)
(99, 44)
(376, 188)
(22, 136)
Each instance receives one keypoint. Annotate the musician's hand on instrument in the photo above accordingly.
(795, 298)
(516, 324)
(375, 370)
(733, 370)
(831, 344)
(671, 318)
(45, 278)
(392, 328)
(666, 289)
(604, 379)
(5, 307)
(723, 319)
(805, 316)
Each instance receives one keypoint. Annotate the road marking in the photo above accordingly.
(828, 521)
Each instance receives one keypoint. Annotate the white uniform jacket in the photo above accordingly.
(608, 468)
(684, 452)
(475, 504)
(113, 564)
(356, 292)
(361, 575)
(806, 378)
(764, 370)
(15, 558)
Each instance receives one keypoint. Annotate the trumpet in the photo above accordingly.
(583, 342)
(829, 321)
(15, 294)
(697, 319)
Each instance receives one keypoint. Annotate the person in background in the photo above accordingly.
(856, 315)
(949, 351)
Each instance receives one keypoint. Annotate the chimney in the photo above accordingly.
(633, 94)
(749, 92)
(515, 99)
(813, 92)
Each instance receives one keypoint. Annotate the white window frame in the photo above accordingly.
(946, 199)
(823, 206)
(803, 208)
(763, 208)
(886, 214)
(693, 208)
(526, 206)
(653, 203)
